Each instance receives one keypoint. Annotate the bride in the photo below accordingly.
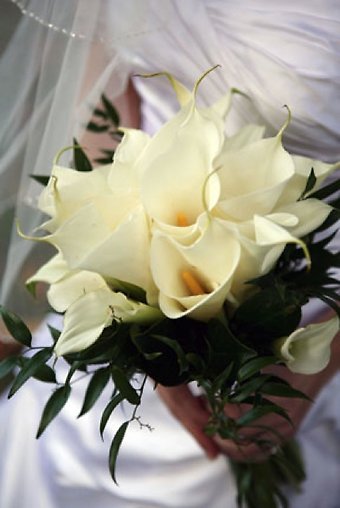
(62, 57)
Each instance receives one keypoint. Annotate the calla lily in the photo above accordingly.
(307, 350)
(195, 280)
(87, 317)
(253, 178)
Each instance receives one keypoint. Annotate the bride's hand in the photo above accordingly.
(193, 413)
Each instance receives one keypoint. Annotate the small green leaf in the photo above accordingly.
(110, 110)
(97, 384)
(46, 374)
(255, 365)
(258, 412)
(175, 346)
(94, 127)
(16, 327)
(100, 113)
(326, 191)
(81, 161)
(31, 288)
(30, 368)
(117, 399)
(311, 181)
(254, 385)
(7, 365)
(42, 179)
(53, 406)
(55, 334)
(282, 390)
(114, 449)
(123, 385)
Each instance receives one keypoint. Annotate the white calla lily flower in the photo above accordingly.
(87, 317)
(195, 280)
(307, 350)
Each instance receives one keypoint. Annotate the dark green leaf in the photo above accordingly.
(268, 314)
(110, 110)
(100, 113)
(130, 290)
(16, 327)
(282, 390)
(81, 161)
(46, 374)
(7, 365)
(53, 406)
(94, 127)
(117, 399)
(55, 334)
(258, 412)
(30, 368)
(246, 389)
(31, 288)
(103, 160)
(175, 346)
(123, 385)
(311, 181)
(327, 190)
(97, 384)
(42, 179)
(255, 365)
(114, 449)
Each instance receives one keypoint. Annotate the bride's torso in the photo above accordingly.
(278, 53)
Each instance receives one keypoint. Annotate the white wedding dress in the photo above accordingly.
(278, 53)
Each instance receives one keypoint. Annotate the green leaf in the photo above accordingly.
(270, 313)
(81, 161)
(103, 160)
(113, 403)
(16, 327)
(30, 369)
(31, 287)
(46, 374)
(255, 365)
(123, 385)
(94, 127)
(42, 179)
(114, 449)
(96, 386)
(55, 334)
(254, 385)
(258, 412)
(173, 344)
(110, 110)
(100, 113)
(7, 365)
(130, 290)
(311, 181)
(326, 191)
(53, 406)
(278, 389)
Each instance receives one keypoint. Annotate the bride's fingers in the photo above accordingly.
(190, 411)
(247, 451)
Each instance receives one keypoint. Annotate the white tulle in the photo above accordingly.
(55, 68)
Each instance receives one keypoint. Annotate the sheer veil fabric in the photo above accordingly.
(64, 54)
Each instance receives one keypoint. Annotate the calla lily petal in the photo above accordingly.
(307, 350)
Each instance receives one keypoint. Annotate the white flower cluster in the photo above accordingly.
(188, 215)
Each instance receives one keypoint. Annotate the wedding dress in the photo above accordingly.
(277, 53)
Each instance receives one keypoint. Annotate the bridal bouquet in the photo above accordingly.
(189, 258)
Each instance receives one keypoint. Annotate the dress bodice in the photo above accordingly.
(279, 53)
